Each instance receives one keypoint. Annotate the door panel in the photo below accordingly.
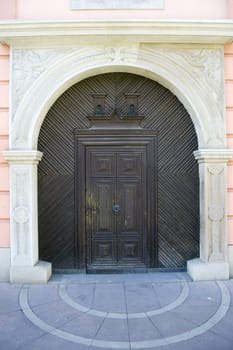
(100, 221)
(130, 251)
(102, 253)
(103, 165)
(103, 192)
(132, 234)
(129, 164)
(130, 197)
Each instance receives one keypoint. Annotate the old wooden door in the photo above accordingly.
(117, 203)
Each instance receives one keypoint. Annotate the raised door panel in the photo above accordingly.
(103, 252)
(130, 252)
(131, 235)
(101, 226)
(103, 193)
(102, 164)
(129, 194)
(129, 164)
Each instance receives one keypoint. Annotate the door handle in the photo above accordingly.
(116, 209)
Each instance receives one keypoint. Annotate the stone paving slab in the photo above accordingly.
(229, 284)
(224, 328)
(49, 342)
(113, 330)
(141, 311)
(166, 292)
(146, 329)
(107, 295)
(204, 342)
(49, 292)
(16, 331)
(9, 297)
(84, 324)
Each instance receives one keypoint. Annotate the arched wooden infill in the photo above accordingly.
(176, 190)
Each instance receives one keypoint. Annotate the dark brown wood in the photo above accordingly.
(177, 195)
(116, 173)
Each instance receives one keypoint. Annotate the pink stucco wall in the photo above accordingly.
(4, 170)
(60, 9)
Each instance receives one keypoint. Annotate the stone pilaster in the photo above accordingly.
(25, 266)
(213, 262)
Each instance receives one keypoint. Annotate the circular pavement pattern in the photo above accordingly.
(219, 310)
(120, 315)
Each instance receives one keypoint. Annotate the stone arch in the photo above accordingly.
(174, 72)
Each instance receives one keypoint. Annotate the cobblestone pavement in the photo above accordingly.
(164, 311)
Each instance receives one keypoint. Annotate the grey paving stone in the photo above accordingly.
(109, 297)
(224, 328)
(197, 314)
(169, 276)
(113, 330)
(141, 297)
(158, 348)
(207, 341)
(43, 294)
(9, 297)
(167, 292)
(96, 348)
(142, 329)
(50, 342)
(81, 293)
(125, 278)
(16, 330)
(203, 293)
(229, 285)
(55, 313)
(171, 323)
(136, 278)
(83, 325)
(108, 278)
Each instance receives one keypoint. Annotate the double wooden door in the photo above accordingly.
(118, 205)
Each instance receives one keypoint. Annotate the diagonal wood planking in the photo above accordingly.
(178, 189)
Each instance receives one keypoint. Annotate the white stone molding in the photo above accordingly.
(60, 32)
(213, 262)
(206, 66)
(27, 66)
(23, 211)
(175, 68)
(213, 156)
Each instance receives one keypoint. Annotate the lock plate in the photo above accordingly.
(116, 209)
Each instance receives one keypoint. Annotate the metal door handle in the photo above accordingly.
(116, 209)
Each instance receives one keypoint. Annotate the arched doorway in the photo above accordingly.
(170, 234)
